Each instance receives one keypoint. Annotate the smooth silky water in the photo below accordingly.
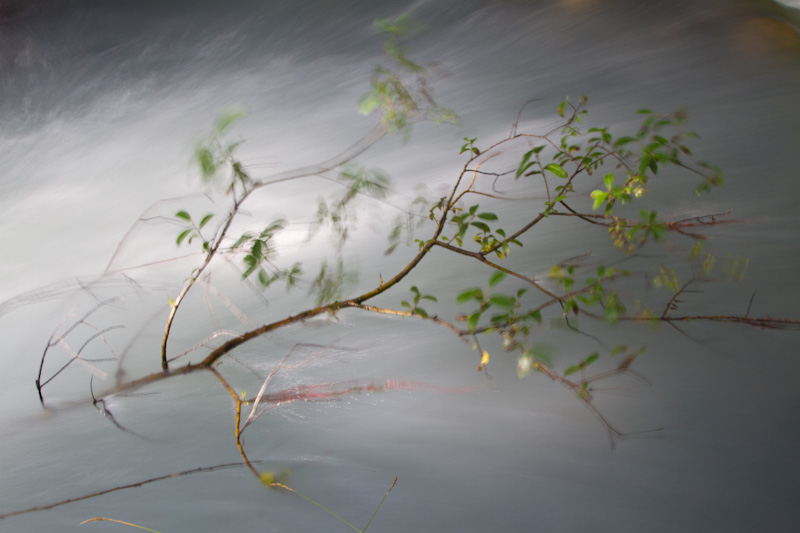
(102, 104)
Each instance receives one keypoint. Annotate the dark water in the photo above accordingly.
(102, 104)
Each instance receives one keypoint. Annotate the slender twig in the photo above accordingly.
(121, 487)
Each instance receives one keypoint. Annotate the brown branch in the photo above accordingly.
(122, 487)
(395, 312)
(479, 256)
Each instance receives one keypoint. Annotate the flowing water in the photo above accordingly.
(101, 106)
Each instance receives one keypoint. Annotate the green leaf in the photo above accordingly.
(599, 198)
(556, 169)
(250, 269)
(622, 141)
(430, 297)
(503, 300)
(184, 215)
(499, 320)
(257, 249)
(496, 278)
(469, 294)
(241, 240)
(227, 119)
(608, 179)
(472, 321)
(621, 348)
(369, 102)
(205, 220)
(421, 312)
(524, 164)
(182, 236)
(696, 249)
(208, 166)
(264, 278)
(481, 226)
(571, 370)
(487, 216)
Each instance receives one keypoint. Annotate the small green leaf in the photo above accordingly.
(622, 141)
(696, 249)
(227, 119)
(622, 348)
(481, 226)
(421, 312)
(556, 169)
(524, 164)
(472, 321)
(496, 278)
(487, 216)
(184, 215)
(469, 294)
(503, 300)
(264, 278)
(208, 166)
(182, 236)
(599, 198)
(369, 102)
(241, 240)
(205, 220)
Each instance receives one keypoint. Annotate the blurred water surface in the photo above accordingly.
(102, 104)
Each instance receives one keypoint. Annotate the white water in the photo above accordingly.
(101, 108)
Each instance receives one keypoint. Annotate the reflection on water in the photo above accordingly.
(102, 105)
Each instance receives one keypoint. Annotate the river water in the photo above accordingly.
(102, 104)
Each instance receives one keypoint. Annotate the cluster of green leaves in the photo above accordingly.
(629, 236)
(260, 251)
(667, 278)
(509, 306)
(216, 155)
(399, 101)
(594, 292)
(337, 215)
(469, 146)
(192, 230)
(609, 300)
(489, 239)
(581, 367)
(414, 307)
(510, 320)
(661, 140)
(404, 226)
(330, 283)
(565, 278)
